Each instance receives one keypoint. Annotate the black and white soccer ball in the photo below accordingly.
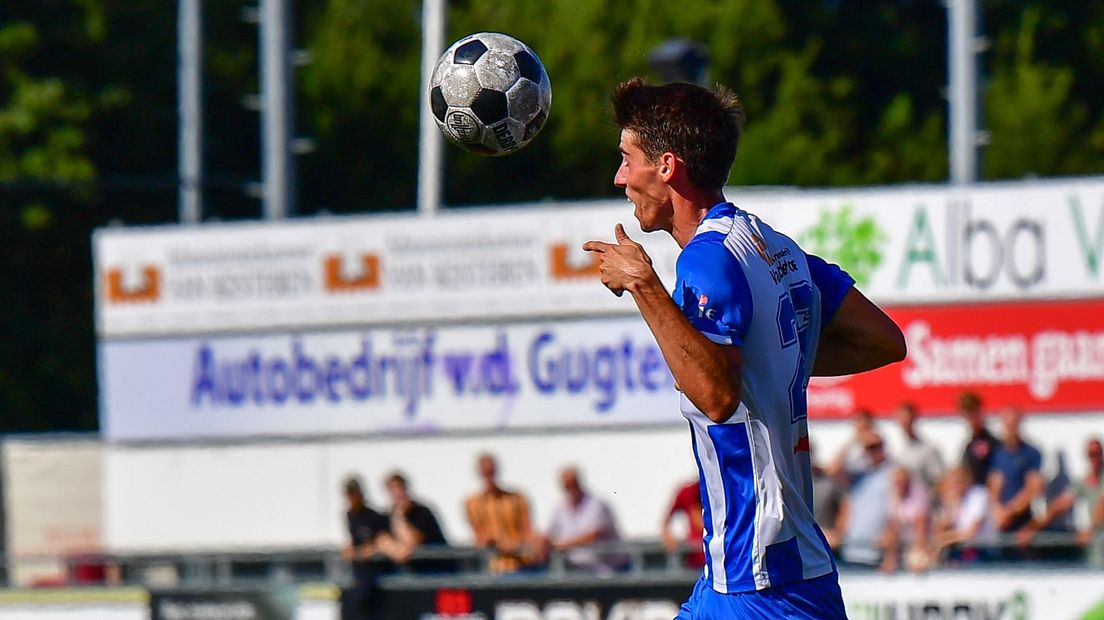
(490, 93)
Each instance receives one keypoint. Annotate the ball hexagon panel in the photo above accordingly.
(496, 69)
(501, 42)
(458, 85)
(525, 100)
(534, 126)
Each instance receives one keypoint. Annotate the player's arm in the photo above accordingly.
(858, 338)
(706, 372)
(855, 335)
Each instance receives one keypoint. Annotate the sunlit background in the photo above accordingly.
(242, 266)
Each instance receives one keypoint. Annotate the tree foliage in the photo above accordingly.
(836, 93)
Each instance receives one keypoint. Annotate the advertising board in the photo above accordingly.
(1040, 356)
(526, 375)
(908, 245)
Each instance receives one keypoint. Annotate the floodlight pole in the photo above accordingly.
(430, 142)
(277, 171)
(189, 84)
(962, 93)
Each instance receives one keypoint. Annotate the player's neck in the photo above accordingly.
(690, 207)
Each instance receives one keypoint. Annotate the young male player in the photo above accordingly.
(751, 318)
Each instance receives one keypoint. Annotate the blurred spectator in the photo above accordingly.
(865, 512)
(963, 518)
(921, 458)
(828, 494)
(907, 542)
(413, 525)
(687, 502)
(852, 461)
(1087, 493)
(583, 520)
(368, 529)
(500, 521)
(978, 453)
(1014, 478)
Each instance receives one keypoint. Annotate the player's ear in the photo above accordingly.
(669, 163)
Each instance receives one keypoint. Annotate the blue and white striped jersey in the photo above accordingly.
(741, 283)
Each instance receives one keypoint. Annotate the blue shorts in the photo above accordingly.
(815, 599)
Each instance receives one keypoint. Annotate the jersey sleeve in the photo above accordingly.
(713, 291)
(833, 284)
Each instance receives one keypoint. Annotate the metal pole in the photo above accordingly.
(189, 110)
(962, 91)
(277, 173)
(430, 142)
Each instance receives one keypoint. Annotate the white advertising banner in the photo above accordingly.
(468, 265)
(904, 245)
(386, 380)
(1066, 594)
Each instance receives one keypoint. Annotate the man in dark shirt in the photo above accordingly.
(413, 525)
(1014, 480)
(368, 532)
(978, 453)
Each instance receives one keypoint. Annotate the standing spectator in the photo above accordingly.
(1087, 492)
(581, 521)
(865, 512)
(413, 525)
(688, 503)
(963, 519)
(978, 453)
(1014, 480)
(500, 521)
(368, 531)
(920, 457)
(909, 523)
(828, 495)
(852, 461)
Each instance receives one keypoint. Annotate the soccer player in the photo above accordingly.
(751, 318)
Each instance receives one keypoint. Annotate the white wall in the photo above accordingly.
(52, 503)
(287, 494)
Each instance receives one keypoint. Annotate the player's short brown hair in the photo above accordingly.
(700, 126)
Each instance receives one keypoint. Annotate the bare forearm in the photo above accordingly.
(836, 357)
(701, 369)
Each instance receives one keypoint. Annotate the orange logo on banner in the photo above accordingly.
(563, 270)
(369, 279)
(149, 291)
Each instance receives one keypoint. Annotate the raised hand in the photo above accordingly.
(623, 265)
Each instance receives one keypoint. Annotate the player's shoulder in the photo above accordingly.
(707, 261)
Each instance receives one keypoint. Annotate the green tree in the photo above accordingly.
(1036, 125)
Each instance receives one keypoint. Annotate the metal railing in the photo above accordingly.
(235, 568)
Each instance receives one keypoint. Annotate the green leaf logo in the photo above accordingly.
(843, 237)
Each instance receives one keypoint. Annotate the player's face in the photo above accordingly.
(643, 185)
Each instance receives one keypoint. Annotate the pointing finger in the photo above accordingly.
(595, 246)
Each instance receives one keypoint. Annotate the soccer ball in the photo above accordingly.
(490, 94)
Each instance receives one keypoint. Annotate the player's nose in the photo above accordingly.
(619, 176)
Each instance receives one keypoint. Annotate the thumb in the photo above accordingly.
(621, 235)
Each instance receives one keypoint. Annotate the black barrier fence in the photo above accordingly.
(272, 603)
(627, 597)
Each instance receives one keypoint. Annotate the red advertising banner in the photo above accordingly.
(1040, 356)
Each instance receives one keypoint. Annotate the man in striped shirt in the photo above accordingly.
(751, 318)
(500, 521)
